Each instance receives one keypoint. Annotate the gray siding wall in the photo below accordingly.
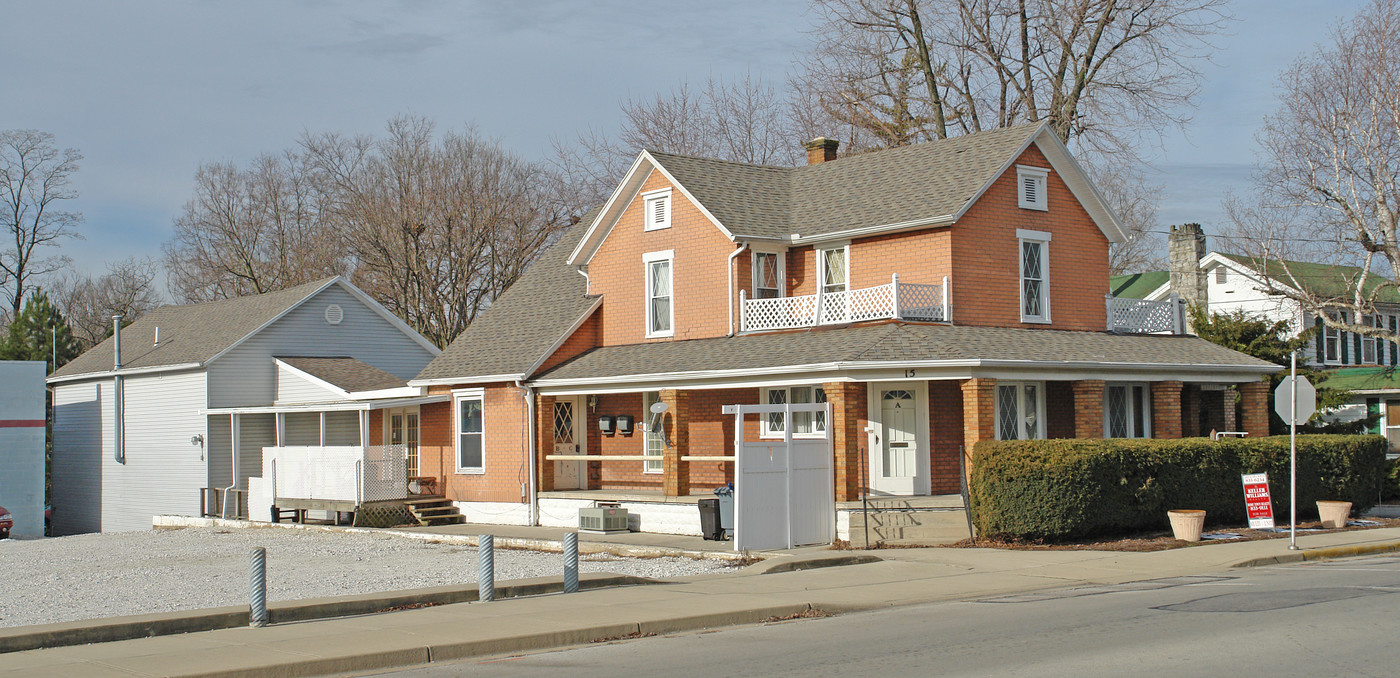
(220, 452)
(246, 376)
(163, 472)
(303, 428)
(255, 431)
(294, 388)
(342, 428)
(82, 439)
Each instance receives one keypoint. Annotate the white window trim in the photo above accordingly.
(1043, 239)
(1146, 402)
(782, 270)
(645, 426)
(821, 265)
(765, 432)
(647, 260)
(457, 397)
(648, 199)
(1041, 176)
(1020, 401)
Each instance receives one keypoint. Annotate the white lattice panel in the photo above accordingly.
(834, 308)
(780, 314)
(1141, 316)
(917, 302)
(921, 302)
(872, 303)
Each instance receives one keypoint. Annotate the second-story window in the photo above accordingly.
(832, 265)
(660, 311)
(658, 209)
(1368, 343)
(1034, 274)
(767, 275)
(1333, 339)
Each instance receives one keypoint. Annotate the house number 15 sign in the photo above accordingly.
(1256, 501)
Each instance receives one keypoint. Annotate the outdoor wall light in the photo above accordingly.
(624, 424)
(605, 424)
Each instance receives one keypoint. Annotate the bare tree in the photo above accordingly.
(1328, 185)
(437, 228)
(251, 231)
(127, 288)
(35, 178)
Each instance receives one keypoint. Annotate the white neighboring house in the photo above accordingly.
(201, 389)
(1233, 282)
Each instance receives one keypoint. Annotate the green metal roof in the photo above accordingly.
(1137, 285)
(1327, 281)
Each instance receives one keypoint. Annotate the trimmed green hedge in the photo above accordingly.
(1066, 489)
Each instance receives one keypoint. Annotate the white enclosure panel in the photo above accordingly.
(82, 439)
(247, 376)
(784, 494)
(812, 494)
(163, 471)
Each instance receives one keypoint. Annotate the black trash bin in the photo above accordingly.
(709, 520)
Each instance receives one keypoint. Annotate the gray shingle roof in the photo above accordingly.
(898, 342)
(515, 332)
(347, 374)
(873, 189)
(190, 334)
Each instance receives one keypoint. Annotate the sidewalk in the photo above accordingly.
(447, 632)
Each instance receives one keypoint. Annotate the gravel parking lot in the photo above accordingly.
(106, 575)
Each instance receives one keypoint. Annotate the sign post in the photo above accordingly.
(1295, 400)
(1257, 504)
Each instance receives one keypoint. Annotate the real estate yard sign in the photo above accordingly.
(1256, 501)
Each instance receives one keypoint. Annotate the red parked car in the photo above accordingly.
(6, 522)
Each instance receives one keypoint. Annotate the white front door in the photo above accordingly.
(568, 475)
(899, 443)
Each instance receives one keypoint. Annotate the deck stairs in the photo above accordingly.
(435, 510)
(908, 521)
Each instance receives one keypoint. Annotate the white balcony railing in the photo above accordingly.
(1140, 316)
(892, 301)
(337, 473)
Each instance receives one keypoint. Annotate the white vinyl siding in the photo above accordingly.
(247, 376)
(82, 439)
(1030, 188)
(343, 428)
(163, 471)
(301, 429)
(293, 387)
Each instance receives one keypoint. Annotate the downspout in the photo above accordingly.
(118, 434)
(586, 281)
(742, 246)
(233, 454)
(534, 494)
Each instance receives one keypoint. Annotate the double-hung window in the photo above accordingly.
(470, 431)
(1332, 338)
(1020, 406)
(1368, 343)
(804, 424)
(1127, 411)
(660, 309)
(767, 275)
(657, 205)
(1034, 267)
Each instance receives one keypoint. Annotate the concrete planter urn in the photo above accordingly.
(1334, 514)
(1187, 524)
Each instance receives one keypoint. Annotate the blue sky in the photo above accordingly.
(148, 90)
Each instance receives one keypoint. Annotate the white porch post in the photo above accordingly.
(947, 307)
(364, 428)
(281, 423)
(894, 295)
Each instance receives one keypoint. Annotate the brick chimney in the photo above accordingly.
(1186, 245)
(821, 149)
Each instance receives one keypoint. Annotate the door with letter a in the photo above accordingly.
(568, 473)
(899, 442)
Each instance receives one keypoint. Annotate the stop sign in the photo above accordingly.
(1307, 400)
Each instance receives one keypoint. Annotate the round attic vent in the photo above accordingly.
(334, 314)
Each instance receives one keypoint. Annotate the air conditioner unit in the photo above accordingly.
(602, 520)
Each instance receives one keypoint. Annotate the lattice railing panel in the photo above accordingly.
(780, 314)
(921, 302)
(834, 308)
(1142, 316)
(872, 303)
(917, 302)
(384, 473)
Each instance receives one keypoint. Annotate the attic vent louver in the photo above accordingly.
(334, 314)
(1031, 193)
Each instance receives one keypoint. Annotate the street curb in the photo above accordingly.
(1322, 554)
(780, 565)
(488, 647)
(41, 636)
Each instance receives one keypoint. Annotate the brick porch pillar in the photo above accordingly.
(979, 413)
(1254, 408)
(544, 441)
(1088, 408)
(1227, 399)
(848, 405)
(1166, 409)
(676, 471)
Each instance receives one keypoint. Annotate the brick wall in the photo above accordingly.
(918, 257)
(849, 411)
(1254, 408)
(985, 257)
(1166, 409)
(587, 337)
(979, 410)
(504, 446)
(700, 279)
(945, 418)
(1087, 397)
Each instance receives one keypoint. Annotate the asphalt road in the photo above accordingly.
(1312, 619)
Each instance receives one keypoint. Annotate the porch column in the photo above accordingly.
(676, 471)
(848, 404)
(544, 440)
(1191, 400)
(1088, 408)
(1254, 408)
(1227, 399)
(979, 412)
(1166, 409)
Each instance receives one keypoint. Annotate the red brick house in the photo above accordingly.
(934, 295)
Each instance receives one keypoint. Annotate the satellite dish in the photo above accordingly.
(658, 408)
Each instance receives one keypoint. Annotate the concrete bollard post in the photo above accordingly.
(571, 562)
(486, 559)
(257, 588)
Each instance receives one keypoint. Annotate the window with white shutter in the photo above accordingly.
(1030, 193)
(657, 209)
